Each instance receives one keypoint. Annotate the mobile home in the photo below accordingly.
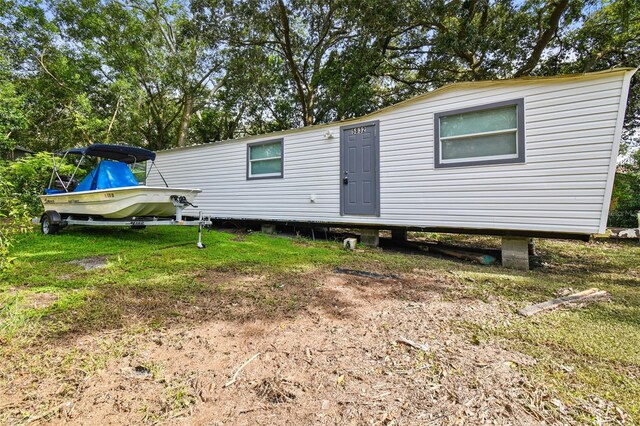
(526, 157)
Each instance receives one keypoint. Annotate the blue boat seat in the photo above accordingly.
(53, 191)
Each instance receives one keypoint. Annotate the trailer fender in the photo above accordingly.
(54, 217)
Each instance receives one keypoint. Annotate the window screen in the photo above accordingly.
(481, 135)
(264, 159)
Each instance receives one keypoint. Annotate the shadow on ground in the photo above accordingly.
(228, 296)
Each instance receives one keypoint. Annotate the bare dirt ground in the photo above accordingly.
(332, 357)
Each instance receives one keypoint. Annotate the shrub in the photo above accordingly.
(625, 202)
(20, 184)
(26, 179)
(14, 219)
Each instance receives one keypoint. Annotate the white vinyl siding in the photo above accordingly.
(571, 130)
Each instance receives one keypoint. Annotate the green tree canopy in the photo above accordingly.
(163, 73)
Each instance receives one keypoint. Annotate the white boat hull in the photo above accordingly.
(118, 203)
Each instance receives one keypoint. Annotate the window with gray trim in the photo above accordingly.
(265, 159)
(486, 134)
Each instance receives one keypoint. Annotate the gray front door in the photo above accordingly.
(360, 193)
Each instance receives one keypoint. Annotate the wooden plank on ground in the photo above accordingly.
(632, 233)
(591, 295)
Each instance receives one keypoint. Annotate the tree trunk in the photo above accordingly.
(307, 116)
(544, 38)
(309, 108)
(187, 111)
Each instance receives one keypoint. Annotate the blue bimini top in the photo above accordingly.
(108, 174)
(126, 154)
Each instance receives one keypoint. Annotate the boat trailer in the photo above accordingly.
(51, 222)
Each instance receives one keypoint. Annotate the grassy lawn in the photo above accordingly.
(585, 357)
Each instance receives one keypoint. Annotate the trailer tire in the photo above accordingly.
(47, 227)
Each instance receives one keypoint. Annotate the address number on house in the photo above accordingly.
(358, 130)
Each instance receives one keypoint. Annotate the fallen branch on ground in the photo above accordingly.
(591, 295)
(235, 375)
(413, 344)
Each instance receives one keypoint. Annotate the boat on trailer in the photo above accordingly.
(110, 195)
(117, 203)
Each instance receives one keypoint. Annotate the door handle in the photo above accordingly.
(345, 179)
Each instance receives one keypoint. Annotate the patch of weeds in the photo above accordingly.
(88, 362)
(16, 326)
(434, 368)
(179, 397)
(151, 369)
(149, 415)
(578, 367)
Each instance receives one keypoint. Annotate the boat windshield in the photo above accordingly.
(140, 171)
